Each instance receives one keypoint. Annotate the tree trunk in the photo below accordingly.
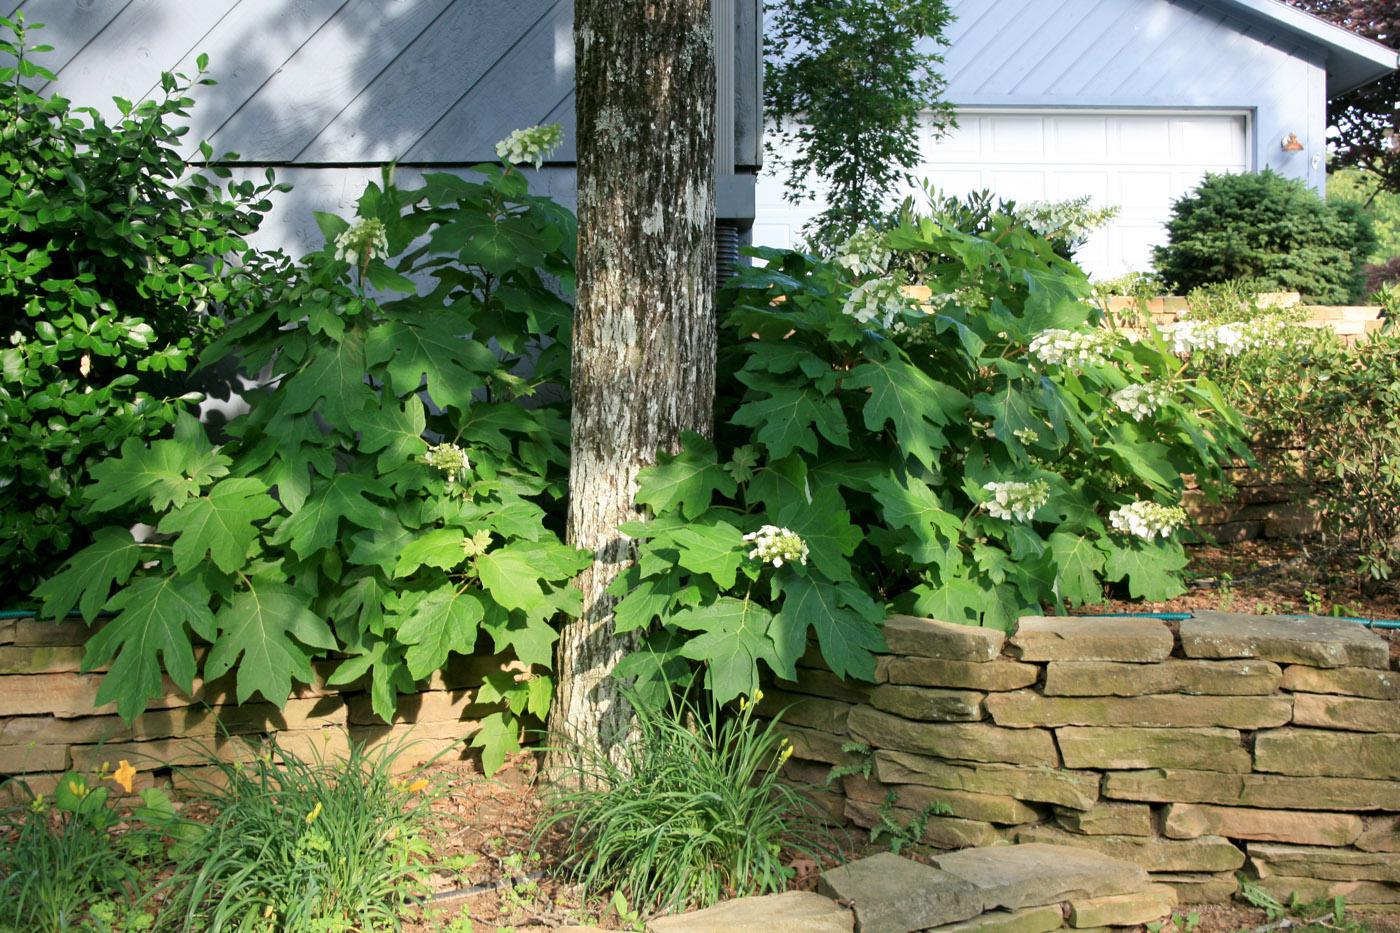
(644, 325)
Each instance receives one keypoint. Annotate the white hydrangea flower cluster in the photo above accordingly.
(1235, 337)
(359, 244)
(533, 144)
(777, 546)
(864, 253)
(449, 458)
(878, 303)
(1147, 520)
(1057, 347)
(1016, 501)
(1141, 401)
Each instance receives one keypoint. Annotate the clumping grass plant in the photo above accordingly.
(691, 812)
(306, 844)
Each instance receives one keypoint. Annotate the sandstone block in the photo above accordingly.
(1346, 713)
(1039, 784)
(1309, 752)
(1108, 819)
(930, 705)
(809, 712)
(1359, 894)
(962, 741)
(1131, 748)
(1350, 681)
(1065, 638)
(818, 746)
(1200, 887)
(1194, 678)
(1206, 854)
(1190, 820)
(827, 685)
(940, 832)
(789, 912)
(1380, 835)
(40, 659)
(86, 730)
(1268, 859)
(160, 753)
(7, 632)
(1312, 640)
(1026, 708)
(1015, 877)
(984, 808)
(55, 694)
(931, 638)
(1031, 920)
(1000, 674)
(1122, 909)
(895, 895)
(45, 632)
(1269, 791)
(26, 759)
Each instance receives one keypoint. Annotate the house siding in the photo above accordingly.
(1143, 54)
(326, 90)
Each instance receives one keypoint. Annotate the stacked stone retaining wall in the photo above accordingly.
(50, 722)
(1264, 744)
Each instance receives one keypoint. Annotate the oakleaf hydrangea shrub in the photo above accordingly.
(394, 494)
(114, 258)
(1274, 231)
(986, 449)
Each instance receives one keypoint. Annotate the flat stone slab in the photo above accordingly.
(1031, 920)
(1000, 674)
(1206, 854)
(890, 894)
(1128, 748)
(1245, 677)
(1015, 877)
(1121, 910)
(1108, 819)
(1270, 791)
(1311, 752)
(1321, 862)
(962, 741)
(1090, 638)
(1200, 887)
(1352, 714)
(940, 832)
(928, 704)
(931, 638)
(985, 808)
(1191, 820)
(1026, 708)
(1381, 836)
(1312, 640)
(1350, 681)
(790, 912)
(1036, 783)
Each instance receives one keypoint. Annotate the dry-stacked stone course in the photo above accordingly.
(1267, 744)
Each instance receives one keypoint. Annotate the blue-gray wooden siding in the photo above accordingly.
(324, 90)
(1143, 54)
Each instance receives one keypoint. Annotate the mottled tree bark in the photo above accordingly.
(644, 327)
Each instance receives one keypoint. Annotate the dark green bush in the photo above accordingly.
(1275, 232)
(112, 258)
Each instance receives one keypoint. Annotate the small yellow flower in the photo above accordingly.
(743, 703)
(418, 786)
(758, 696)
(77, 788)
(38, 805)
(124, 775)
(315, 812)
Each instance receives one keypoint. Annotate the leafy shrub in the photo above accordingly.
(1382, 275)
(968, 456)
(396, 474)
(1363, 188)
(63, 865)
(693, 811)
(1270, 230)
(305, 844)
(1066, 224)
(114, 257)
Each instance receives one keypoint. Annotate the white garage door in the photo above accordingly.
(1141, 162)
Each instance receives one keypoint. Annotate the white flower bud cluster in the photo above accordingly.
(878, 303)
(864, 253)
(1235, 337)
(1147, 520)
(776, 546)
(449, 458)
(359, 244)
(1058, 347)
(532, 144)
(1140, 401)
(1016, 501)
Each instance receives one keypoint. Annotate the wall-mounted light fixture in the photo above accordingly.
(1291, 143)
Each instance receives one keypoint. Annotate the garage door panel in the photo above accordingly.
(1143, 139)
(1081, 184)
(1081, 139)
(1017, 136)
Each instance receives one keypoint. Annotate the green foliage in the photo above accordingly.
(850, 85)
(691, 813)
(115, 254)
(396, 475)
(1270, 230)
(896, 835)
(65, 867)
(894, 430)
(305, 845)
(1382, 207)
(1298, 914)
